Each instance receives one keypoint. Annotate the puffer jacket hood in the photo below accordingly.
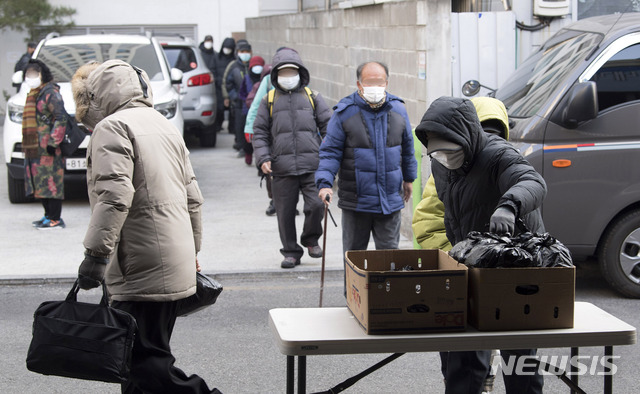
(455, 120)
(110, 87)
(491, 108)
(228, 43)
(289, 56)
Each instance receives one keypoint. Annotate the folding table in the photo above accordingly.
(302, 332)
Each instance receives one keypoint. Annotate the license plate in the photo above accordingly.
(76, 164)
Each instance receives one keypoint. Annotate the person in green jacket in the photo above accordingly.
(428, 217)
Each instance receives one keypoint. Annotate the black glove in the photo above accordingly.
(51, 150)
(502, 221)
(91, 271)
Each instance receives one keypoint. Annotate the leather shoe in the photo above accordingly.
(289, 262)
(315, 251)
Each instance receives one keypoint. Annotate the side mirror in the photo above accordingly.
(582, 104)
(17, 78)
(471, 88)
(176, 76)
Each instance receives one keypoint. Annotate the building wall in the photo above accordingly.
(220, 18)
(411, 37)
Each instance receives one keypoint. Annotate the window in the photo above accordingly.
(181, 58)
(618, 80)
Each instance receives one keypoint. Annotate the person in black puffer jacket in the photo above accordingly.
(225, 56)
(481, 179)
(286, 142)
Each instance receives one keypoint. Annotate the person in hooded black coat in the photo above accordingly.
(481, 179)
(222, 59)
(208, 54)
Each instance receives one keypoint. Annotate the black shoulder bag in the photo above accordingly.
(81, 340)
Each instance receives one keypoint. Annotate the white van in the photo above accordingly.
(64, 55)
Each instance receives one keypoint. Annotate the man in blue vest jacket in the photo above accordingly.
(369, 144)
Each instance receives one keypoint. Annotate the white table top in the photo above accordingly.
(316, 331)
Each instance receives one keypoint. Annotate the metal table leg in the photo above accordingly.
(608, 377)
(290, 366)
(302, 374)
(574, 369)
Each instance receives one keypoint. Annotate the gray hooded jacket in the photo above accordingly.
(290, 138)
(145, 201)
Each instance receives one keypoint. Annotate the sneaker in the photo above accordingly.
(248, 158)
(271, 209)
(241, 153)
(315, 251)
(39, 222)
(51, 224)
(289, 262)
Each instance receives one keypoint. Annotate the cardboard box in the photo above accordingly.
(521, 298)
(430, 298)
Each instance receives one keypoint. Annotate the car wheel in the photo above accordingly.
(619, 255)
(16, 190)
(208, 137)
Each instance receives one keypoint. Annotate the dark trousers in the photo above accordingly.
(152, 369)
(465, 372)
(52, 208)
(239, 122)
(285, 191)
(357, 228)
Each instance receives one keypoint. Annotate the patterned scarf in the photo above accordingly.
(30, 141)
(374, 106)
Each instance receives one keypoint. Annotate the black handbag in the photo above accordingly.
(81, 340)
(73, 137)
(207, 292)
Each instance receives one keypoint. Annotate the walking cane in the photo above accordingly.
(324, 245)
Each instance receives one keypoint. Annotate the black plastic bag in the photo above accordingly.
(487, 250)
(207, 292)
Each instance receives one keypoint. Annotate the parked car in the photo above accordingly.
(575, 105)
(64, 55)
(197, 91)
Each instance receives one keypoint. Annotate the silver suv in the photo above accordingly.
(64, 55)
(197, 91)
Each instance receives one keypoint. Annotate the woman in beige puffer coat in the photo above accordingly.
(145, 222)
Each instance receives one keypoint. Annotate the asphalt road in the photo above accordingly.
(231, 346)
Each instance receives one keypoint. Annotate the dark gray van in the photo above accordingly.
(575, 105)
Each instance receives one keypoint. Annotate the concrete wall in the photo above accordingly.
(411, 37)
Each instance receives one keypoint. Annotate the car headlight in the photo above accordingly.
(168, 110)
(15, 112)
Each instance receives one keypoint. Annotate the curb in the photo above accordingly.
(330, 273)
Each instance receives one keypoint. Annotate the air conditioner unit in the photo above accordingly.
(551, 7)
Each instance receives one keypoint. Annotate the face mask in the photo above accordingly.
(33, 82)
(289, 83)
(373, 94)
(256, 69)
(226, 51)
(208, 45)
(451, 160)
(244, 56)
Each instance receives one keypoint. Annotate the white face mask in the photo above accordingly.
(244, 56)
(208, 45)
(256, 69)
(373, 94)
(451, 160)
(289, 83)
(33, 82)
(226, 51)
